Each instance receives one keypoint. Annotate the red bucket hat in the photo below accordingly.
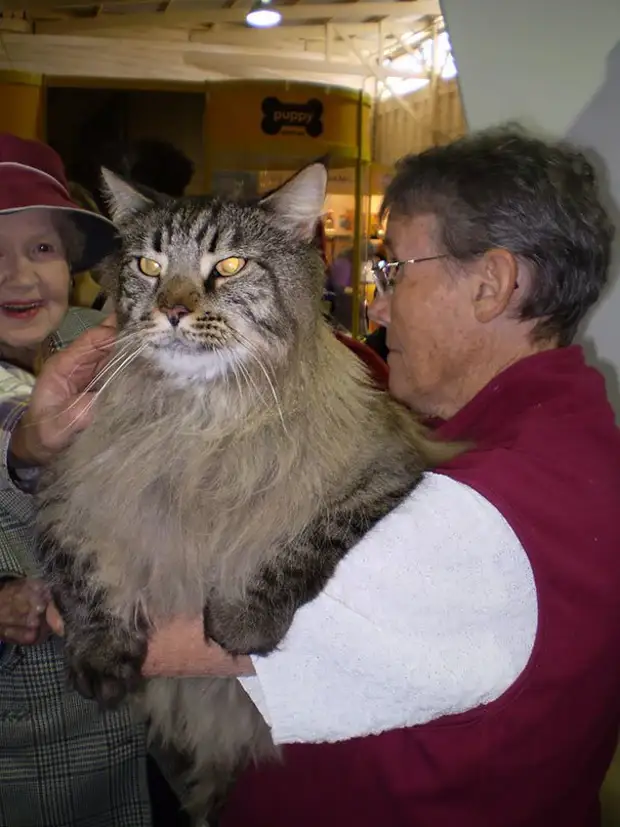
(32, 176)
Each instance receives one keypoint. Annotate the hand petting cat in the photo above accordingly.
(60, 405)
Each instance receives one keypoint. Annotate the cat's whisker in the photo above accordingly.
(254, 355)
(241, 375)
(116, 358)
(235, 375)
(129, 337)
(121, 339)
(124, 341)
(225, 373)
(273, 391)
(122, 352)
(250, 382)
(109, 365)
(114, 361)
(248, 376)
(127, 361)
(252, 348)
(96, 395)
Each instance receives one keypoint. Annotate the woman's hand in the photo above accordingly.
(179, 650)
(23, 604)
(59, 406)
(54, 620)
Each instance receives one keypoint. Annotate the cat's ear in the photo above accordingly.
(122, 198)
(299, 202)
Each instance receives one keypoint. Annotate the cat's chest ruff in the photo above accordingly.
(184, 367)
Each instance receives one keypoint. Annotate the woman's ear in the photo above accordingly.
(496, 279)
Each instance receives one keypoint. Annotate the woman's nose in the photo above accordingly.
(18, 269)
(379, 310)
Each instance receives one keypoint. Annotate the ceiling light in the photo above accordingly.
(262, 15)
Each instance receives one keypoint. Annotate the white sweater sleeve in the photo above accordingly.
(434, 612)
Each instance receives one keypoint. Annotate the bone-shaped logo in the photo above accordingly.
(279, 115)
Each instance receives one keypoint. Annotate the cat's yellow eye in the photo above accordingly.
(149, 267)
(230, 266)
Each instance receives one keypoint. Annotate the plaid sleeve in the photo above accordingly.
(17, 557)
(11, 411)
(76, 322)
(15, 389)
(15, 504)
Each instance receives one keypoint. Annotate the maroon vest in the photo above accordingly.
(548, 457)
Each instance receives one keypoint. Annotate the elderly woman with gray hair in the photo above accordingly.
(62, 761)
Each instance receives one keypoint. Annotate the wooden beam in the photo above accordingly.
(294, 48)
(245, 36)
(160, 35)
(428, 7)
(385, 75)
(15, 24)
(282, 64)
(292, 38)
(321, 12)
(82, 57)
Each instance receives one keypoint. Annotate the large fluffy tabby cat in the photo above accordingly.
(238, 451)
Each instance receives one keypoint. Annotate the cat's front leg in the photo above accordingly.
(259, 622)
(297, 574)
(104, 655)
(105, 659)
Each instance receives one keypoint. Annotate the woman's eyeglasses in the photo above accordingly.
(385, 273)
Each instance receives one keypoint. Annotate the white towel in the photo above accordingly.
(433, 613)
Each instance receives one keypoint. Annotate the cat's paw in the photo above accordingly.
(242, 630)
(107, 690)
(107, 673)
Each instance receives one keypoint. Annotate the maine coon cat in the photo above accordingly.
(238, 451)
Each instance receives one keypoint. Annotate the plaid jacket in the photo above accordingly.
(63, 763)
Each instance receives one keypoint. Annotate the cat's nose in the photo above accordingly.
(176, 313)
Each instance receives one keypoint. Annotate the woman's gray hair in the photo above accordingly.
(539, 200)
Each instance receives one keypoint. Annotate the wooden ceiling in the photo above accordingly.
(343, 43)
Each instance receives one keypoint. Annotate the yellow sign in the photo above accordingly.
(275, 125)
(21, 104)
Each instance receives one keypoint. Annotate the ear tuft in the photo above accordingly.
(299, 202)
(122, 198)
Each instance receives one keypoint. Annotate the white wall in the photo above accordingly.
(554, 66)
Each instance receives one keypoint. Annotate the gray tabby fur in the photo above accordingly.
(233, 461)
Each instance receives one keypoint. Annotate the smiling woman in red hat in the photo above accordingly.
(44, 238)
(62, 763)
